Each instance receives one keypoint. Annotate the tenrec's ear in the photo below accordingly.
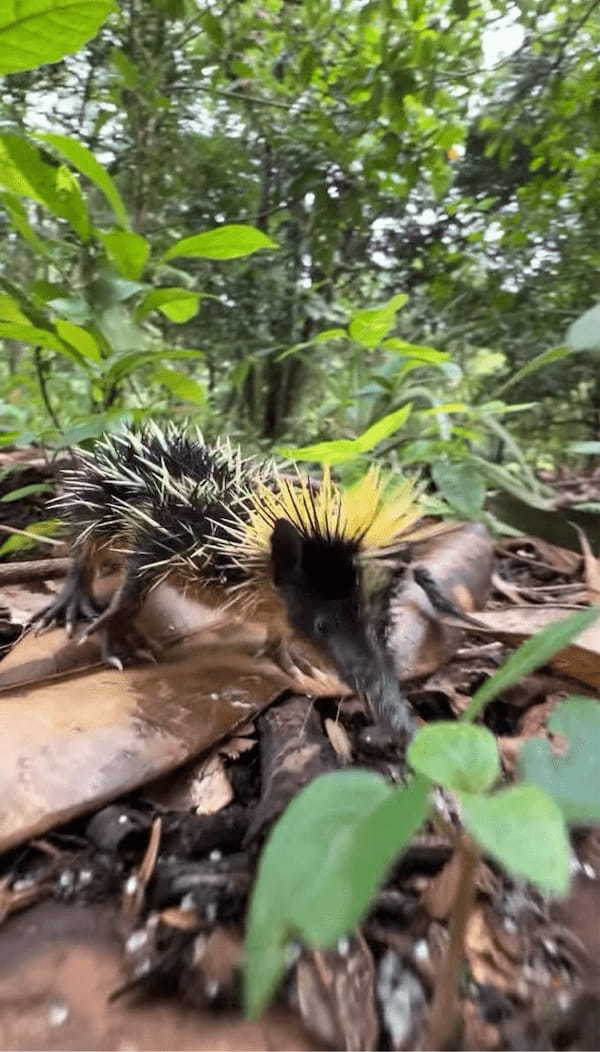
(286, 551)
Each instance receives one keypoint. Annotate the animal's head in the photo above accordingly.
(312, 540)
(320, 583)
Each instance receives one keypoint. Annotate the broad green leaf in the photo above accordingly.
(554, 354)
(458, 756)
(336, 452)
(106, 290)
(83, 159)
(130, 73)
(383, 428)
(31, 334)
(93, 426)
(321, 865)
(23, 172)
(359, 866)
(499, 477)
(371, 326)
(10, 310)
(524, 830)
(584, 333)
(75, 308)
(530, 656)
(18, 542)
(427, 355)
(224, 242)
(181, 385)
(330, 334)
(461, 485)
(25, 491)
(71, 204)
(127, 252)
(33, 32)
(177, 304)
(568, 768)
(79, 338)
(296, 855)
(20, 221)
(125, 364)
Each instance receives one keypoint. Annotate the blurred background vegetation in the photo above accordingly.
(423, 178)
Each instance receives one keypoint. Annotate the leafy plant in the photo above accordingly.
(96, 319)
(332, 848)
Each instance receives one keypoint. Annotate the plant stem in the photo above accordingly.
(442, 1019)
(40, 368)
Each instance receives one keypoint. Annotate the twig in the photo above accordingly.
(33, 570)
(442, 1020)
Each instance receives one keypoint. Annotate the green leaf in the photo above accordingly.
(23, 172)
(343, 449)
(321, 865)
(336, 452)
(524, 830)
(18, 542)
(458, 756)
(499, 477)
(25, 491)
(10, 310)
(554, 354)
(427, 355)
(92, 427)
(330, 334)
(71, 204)
(33, 32)
(79, 338)
(584, 333)
(369, 327)
(568, 769)
(177, 304)
(383, 429)
(75, 308)
(224, 242)
(127, 252)
(461, 485)
(534, 653)
(179, 384)
(31, 334)
(19, 220)
(127, 363)
(83, 159)
(130, 73)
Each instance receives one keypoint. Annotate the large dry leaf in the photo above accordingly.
(580, 659)
(68, 745)
(460, 562)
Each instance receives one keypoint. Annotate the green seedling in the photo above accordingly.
(331, 850)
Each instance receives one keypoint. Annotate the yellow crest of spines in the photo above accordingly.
(373, 513)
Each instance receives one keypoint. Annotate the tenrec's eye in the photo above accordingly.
(321, 626)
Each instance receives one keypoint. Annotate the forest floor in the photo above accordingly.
(136, 805)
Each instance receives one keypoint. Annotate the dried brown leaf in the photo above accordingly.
(591, 566)
(211, 791)
(338, 736)
(336, 995)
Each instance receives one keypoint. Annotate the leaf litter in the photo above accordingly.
(169, 856)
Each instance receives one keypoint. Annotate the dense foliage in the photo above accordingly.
(435, 160)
